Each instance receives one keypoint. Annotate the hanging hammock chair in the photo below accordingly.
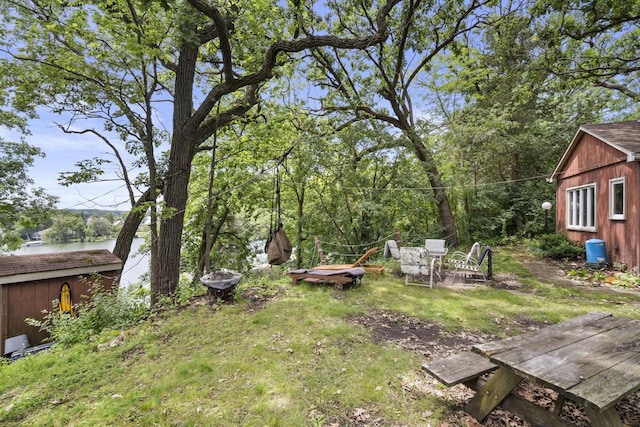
(278, 248)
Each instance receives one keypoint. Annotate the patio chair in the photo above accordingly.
(437, 248)
(391, 249)
(471, 264)
(369, 268)
(418, 261)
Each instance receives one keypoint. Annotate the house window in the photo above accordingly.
(581, 208)
(617, 199)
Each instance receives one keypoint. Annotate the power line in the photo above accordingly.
(452, 187)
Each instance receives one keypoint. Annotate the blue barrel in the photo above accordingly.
(596, 251)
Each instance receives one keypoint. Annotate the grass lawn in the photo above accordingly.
(282, 355)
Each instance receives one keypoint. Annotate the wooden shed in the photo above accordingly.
(29, 284)
(598, 189)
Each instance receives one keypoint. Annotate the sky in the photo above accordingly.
(62, 152)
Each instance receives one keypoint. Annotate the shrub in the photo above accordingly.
(104, 311)
(558, 246)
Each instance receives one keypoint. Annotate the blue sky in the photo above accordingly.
(62, 152)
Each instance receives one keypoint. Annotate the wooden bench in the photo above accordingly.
(468, 367)
(465, 368)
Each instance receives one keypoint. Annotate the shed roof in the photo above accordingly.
(21, 268)
(623, 136)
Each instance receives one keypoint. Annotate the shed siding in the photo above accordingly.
(595, 162)
(24, 300)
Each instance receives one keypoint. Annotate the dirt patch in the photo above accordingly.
(555, 272)
(428, 339)
(431, 341)
(134, 352)
(256, 300)
(548, 271)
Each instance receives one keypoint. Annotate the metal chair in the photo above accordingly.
(472, 263)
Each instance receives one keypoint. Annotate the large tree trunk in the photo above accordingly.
(176, 182)
(130, 227)
(442, 200)
(171, 225)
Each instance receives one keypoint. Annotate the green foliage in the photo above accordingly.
(104, 311)
(66, 226)
(283, 356)
(20, 202)
(98, 227)
(606, 275)
(188, 289)
(511, 130)
(88, 170)
(626, 280)
(595, 277)
(558, 246)
(593, 43)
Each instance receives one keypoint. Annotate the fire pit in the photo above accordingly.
(221, 283)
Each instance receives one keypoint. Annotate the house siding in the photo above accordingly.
(593, 161)
(591, 155)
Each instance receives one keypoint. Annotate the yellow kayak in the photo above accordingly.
(66, 300)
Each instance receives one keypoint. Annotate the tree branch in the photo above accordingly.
(125, 174)
(221, 29)
(620, 88)
(292, 46)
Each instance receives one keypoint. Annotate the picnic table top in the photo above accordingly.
(593, 359)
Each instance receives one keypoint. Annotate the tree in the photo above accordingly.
(21, 204)
(203, 56)
(66, 226)
(382, 84)
(594, 41)
(98, 227)
(508, 122)
(92, 71)
(347, 194)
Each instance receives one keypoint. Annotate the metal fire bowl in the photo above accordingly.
(221, 280)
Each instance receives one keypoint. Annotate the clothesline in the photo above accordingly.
(369, 244)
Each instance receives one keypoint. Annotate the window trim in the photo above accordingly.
(571, 216)
(612, 183)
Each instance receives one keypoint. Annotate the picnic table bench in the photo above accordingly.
(465, 368)
(593, 360)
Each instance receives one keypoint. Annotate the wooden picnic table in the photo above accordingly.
(593, 360)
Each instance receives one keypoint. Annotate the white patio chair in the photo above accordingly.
(470, 264)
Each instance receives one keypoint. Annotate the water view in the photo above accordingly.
(135, 267)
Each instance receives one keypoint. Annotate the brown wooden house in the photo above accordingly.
(29, 284)
(598, 189)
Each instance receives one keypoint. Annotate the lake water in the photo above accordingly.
(136, 265)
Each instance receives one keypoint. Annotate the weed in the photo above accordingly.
(105, 310)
